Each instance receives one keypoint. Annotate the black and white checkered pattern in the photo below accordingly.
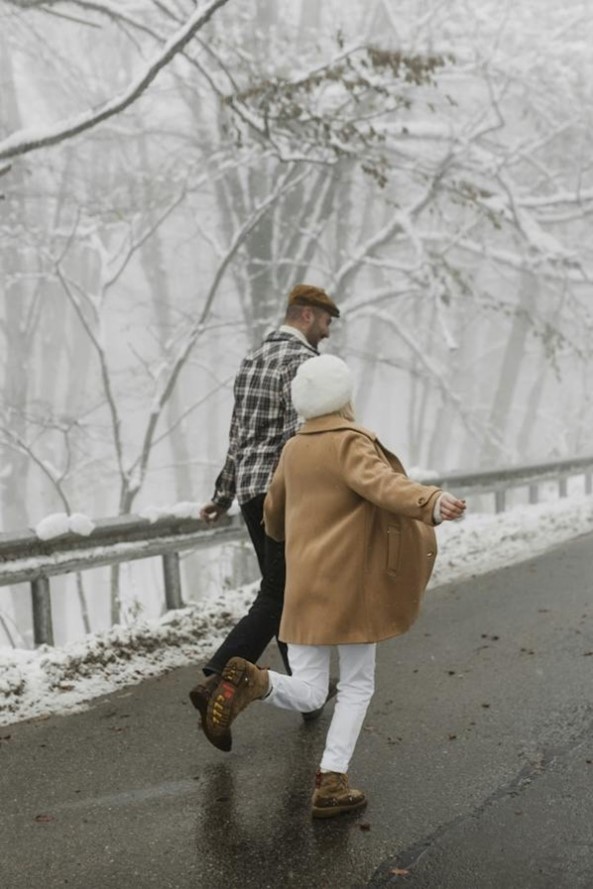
(263, 417)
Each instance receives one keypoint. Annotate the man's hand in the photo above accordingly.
(451, 507)
(210, 512)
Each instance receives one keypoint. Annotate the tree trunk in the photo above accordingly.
(493, 452)
(17, 301)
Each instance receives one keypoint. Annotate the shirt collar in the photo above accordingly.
(286, 328)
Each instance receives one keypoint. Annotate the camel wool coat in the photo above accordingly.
(360, 546)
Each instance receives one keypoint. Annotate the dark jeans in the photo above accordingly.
(252, 634)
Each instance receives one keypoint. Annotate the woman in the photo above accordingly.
(360, 548)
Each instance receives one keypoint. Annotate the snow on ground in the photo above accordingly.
(60, 680)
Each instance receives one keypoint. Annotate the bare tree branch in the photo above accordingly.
(138, 242)
(105, 376)
(435, 373)
(25, 141)
(14, 441)
(290, 180)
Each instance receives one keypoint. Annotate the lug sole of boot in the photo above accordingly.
(334, 811)
(234, 675)
(234, 672)
(223, 740)
(199, 701)
(201, 693)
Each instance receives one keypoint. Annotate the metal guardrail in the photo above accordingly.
(499, 481)
(26, 558)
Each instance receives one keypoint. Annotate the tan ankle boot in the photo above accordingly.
(241, 683)
(334, 796)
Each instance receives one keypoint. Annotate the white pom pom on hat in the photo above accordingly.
(322, 385)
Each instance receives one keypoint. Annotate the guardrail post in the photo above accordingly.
(43, 631)
(533, 494)
(172, 575)
(499, 501)
(588, 483)
(562, 487)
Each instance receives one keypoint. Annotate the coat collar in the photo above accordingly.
(295, 332)
(285, 334)
(332, 423)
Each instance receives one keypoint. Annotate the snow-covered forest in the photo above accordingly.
(168, 171)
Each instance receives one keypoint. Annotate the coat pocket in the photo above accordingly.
(394, 549)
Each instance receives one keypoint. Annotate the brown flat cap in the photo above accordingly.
(308, 295)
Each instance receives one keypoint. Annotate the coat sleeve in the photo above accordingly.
(275, 504)
(370, 476)
(225, 484)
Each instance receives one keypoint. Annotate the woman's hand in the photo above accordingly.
(450, 507)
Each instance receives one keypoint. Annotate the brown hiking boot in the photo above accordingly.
(241, 683)
(334, 796)
(202, 692)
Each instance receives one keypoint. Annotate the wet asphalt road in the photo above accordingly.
(477, 756)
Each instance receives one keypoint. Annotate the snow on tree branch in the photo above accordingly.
(105, 8)
(32, 139)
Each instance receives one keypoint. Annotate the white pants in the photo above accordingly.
(307, 688)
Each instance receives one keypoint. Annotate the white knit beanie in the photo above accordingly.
(322, 385)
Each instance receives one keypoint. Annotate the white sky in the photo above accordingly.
(58, 680)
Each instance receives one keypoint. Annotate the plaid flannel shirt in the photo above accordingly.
(263, 417)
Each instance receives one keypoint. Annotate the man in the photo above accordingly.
(263, 420)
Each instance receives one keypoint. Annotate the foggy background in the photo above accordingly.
(428, 163)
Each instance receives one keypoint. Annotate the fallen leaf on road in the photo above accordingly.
(364, 826)
(399, 872)
(43, 819)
